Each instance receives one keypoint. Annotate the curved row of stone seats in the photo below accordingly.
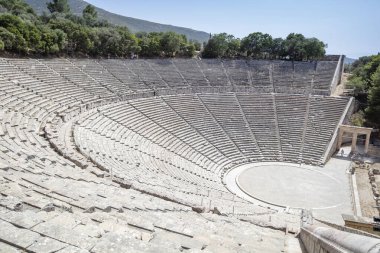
(133, 231)
(291, 124)
(105, 77)
(31, 105)
(324, 73)
(72, 209)
(233, 122)
(144, 148)
(29, 152)
(261, 74)
(164, 116)
(144, 70)
(163, 178)
(129, 117)
(214, 72)
(263, 127)
(191, 72)
(282, 74)
(303, 76)
(132, 160)
(191, 109)
(323, 117)
(42, 80)
(259, 110)
(101, 75)
(75, 75)
(168, 72)
(124, 74)
(49, 200)
(170, 144)
(238, 73)
(137, 155)
(14, 151)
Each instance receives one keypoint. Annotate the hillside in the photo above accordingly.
(134, 24)
(349, 60)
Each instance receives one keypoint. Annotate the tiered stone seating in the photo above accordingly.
(238, 72)
(324, 74)
(260, 113)
(291, 117)
(43, 80)
(191, 72)
(124, 74)
(167, 118)
(193, 139)
(303, 75)
(214, 72)
(168, 72)
(193, 111)
(260, 72)
(72, 73)
(283, 72)
(101, 75)
(145, 72)
(323, 118)
(233, 122)
(82, 171)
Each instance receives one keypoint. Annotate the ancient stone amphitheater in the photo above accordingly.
(131, 155)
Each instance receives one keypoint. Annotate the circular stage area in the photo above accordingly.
(288, 185)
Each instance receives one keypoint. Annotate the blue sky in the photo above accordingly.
(350, 27)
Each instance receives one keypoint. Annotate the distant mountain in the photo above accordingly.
(349, 60)
(134, 24)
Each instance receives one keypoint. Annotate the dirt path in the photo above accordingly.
(365, 193)
(340, 88)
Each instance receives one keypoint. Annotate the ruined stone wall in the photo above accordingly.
(334, 140)
(338, 74)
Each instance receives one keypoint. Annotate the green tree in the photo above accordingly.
(60, 6)
(278, 48)
(221, 45)
(362, 72)
(372, 112)
(197, 45)
(171, 43)
(19, 30)
(90, 15)
(7, 38)
(189, 50)
(149, 44)
(257, 44)
(314, 48)
(357, 119)
(52, 41)
(16, 7)
(295, 46)
(233, 47)
(2, 45)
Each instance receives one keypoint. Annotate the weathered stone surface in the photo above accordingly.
(6, 248)
(66, 235)
(72, 249)
(174, 240)
(11, 202)
(49, 207)
(21, 237)
(27, 219)
(46, 245)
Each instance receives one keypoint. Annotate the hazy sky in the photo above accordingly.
(350, 27)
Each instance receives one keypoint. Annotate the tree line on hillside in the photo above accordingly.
(365, 80)
(59, 32)
(263, 46)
